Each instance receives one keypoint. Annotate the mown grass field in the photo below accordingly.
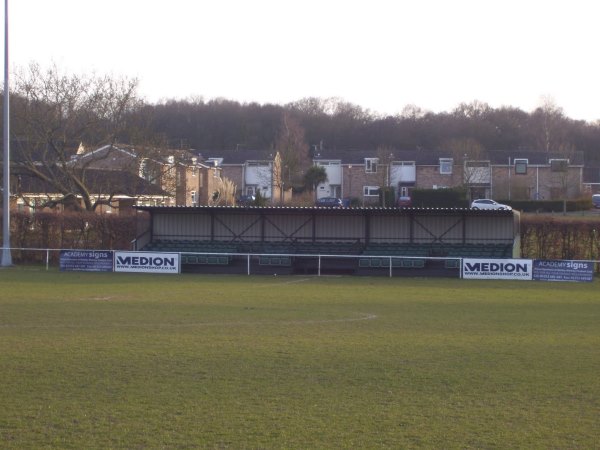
(91, 360)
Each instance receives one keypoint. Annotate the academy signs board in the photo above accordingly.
(497, 269)
(147, 262)
(546, 270)
(86, 260)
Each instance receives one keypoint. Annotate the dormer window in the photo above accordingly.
(371, 165)
(446, 166)
(559, 165)
(521, 166)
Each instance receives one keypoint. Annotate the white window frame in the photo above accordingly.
(446, 166)
(521, 166)
(371, 165)
(371, 191)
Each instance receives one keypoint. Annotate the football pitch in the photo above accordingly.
(103, 360)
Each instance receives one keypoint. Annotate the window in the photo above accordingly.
(521, 166)
(559, 165)
(194, 200)
(371, 191)
(371, 165)
(446, 166)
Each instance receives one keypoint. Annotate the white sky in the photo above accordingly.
(379, 54)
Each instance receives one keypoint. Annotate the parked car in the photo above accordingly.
(246, 200)
(596, 200)
(403, 202)
(486, 203)
(329, 202)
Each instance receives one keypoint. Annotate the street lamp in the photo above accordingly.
(350, 181)
(6, 256)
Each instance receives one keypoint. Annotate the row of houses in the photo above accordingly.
(359, 175)
(190, 178)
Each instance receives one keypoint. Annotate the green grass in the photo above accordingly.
(92, 360)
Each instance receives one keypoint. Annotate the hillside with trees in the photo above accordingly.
(332, 123)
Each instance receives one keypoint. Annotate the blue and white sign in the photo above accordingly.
(86, 260)
(563, 270)
(146, 262)
(497, 269)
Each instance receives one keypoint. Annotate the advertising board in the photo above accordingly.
(86, 260)
(497, 269)
(147, 262)
(563, 270)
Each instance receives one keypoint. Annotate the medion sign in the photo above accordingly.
(497, 269)
(147, 262)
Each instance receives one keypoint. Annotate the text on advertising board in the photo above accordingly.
(147, 262)
(501, 269)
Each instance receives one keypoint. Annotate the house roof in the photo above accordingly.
(365, 210)
(98, 181)
(432, 157)
(241, 156)
(123, 157)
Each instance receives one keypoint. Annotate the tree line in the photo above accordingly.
(220, 124)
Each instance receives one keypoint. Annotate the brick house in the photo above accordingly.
(253, 171)
(181, 174)
(506, 175)
(128, 177)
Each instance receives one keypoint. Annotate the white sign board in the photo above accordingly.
(497, 269)
(146, 262)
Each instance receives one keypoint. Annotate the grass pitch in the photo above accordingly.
(95, 360)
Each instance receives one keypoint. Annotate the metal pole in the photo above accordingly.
(509, 177)
(6, 256)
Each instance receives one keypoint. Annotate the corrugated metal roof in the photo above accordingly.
(316, 209)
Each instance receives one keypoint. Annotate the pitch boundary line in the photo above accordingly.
(362, 317)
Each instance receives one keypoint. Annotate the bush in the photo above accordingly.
(387, 197)
(439, 198)
(549, 205)
(83, 230)
(560, 237)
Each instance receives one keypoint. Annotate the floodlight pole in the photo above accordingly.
(6, 256)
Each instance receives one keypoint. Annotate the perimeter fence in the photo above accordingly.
(292, 264)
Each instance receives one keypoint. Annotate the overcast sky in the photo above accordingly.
(379, 54)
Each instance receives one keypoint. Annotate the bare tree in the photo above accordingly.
(293, 150)
(58, 117)
(385, 157)
(551, 127)
(475, 164)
